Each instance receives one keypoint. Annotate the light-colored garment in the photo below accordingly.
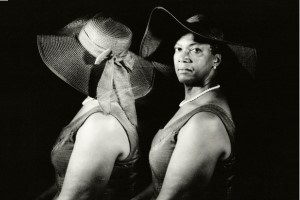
(164, 144)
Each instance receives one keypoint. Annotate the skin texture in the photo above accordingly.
(194, 61)
(99, 143)
(203, 140)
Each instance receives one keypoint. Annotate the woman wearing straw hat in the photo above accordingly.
(95, 156)
(193, 156)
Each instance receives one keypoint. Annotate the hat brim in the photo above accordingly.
(163, 29)
(69, 60)
(65, 58)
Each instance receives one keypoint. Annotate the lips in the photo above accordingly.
(184, 70)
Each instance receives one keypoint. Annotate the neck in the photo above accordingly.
(196, 88)
(191, 91)
(201, 93)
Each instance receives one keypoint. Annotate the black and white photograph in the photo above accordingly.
(150, 100)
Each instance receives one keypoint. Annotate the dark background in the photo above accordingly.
(35, 104)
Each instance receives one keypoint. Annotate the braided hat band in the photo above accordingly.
(99, 34)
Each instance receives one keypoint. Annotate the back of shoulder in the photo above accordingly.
(102, 121)
(102, 127)
(205, 121)
(104, 132)
(206, 129)
(204, 126)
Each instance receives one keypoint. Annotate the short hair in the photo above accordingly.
(215, 46)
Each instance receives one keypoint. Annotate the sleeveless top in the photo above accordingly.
(164, 144)
(122, 182)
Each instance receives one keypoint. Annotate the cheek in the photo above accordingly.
(204, 62)
(175, 60)
(175, 57)
(202, 67)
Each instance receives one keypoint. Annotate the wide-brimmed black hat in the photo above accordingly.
(92, 55)
(163, 29)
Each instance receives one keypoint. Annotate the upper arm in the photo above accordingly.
(200, 144)
(99, 142)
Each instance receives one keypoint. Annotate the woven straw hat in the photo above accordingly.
(164, 29)
(92, 55)
(66, 56)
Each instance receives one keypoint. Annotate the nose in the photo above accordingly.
(185, 57)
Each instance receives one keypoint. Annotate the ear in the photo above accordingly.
(217, 59)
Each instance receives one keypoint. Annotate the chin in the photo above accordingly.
(185, 80)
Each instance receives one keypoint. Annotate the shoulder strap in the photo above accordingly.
(217, 110)
(88, 109)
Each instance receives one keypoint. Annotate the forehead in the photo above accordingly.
(191, 39)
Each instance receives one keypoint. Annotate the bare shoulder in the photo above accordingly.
(204, 122)
(100, 120)
(207, 131)
(104, 131)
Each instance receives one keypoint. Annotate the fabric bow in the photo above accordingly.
(114, 84)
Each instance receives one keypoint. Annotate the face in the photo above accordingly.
(194, 63)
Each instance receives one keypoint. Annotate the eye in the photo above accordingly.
(196, 50)
(177, 49)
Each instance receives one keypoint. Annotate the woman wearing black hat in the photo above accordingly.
(193, 156)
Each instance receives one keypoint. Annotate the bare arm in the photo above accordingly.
(201, 142)
(99, 142)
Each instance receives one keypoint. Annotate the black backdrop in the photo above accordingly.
(34, 103)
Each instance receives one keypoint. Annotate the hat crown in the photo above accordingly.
(206, 27)
(107, 33)
(157, 38)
